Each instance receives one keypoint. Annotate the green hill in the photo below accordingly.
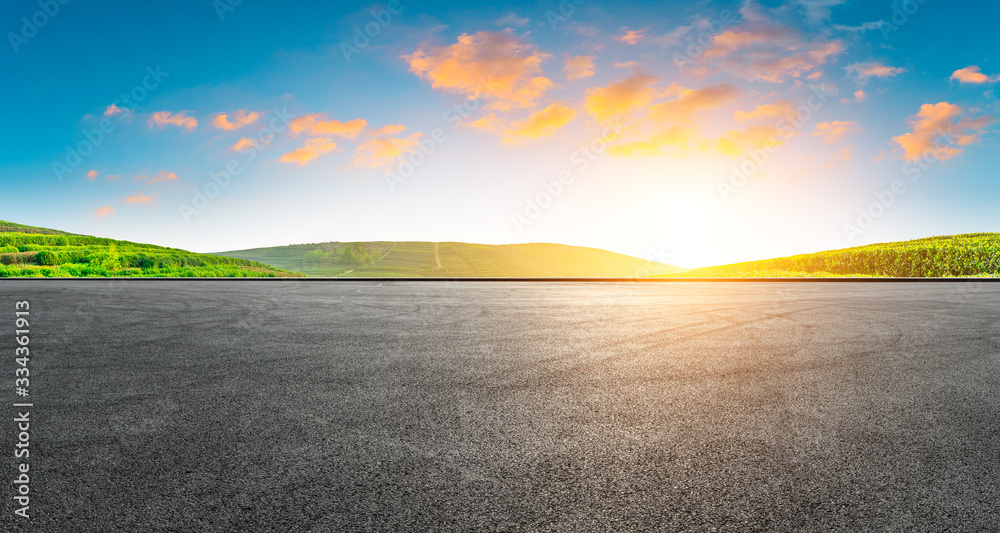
(27, 251)
(451, 260)
(971, 254)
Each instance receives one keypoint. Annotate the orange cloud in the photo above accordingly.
(972, 74)
(935, 128)
(834, 130)
(111, 111)
(774, 111)
(767, 52)
(392, 129)
(112, 177)
(672, 123)
(162, 175)
(312, 149)
(736, 142)
(497, 66)
(243, 144)
(382, 151)
(634, 149)
(140, 198)
(860, 95)
(542, 123)
(624, 64)
(240, 118)
(163, 118)
(320, 124)
(844, 154)
(104, 211)
(91, 175)
(872, 69)
(579, 67)
(632, 36)
(620, 97)
(690, 101)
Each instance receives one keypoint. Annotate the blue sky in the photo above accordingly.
(622, 125)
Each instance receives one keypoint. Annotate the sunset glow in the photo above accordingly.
(712, 133)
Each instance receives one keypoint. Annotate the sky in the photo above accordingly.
(691, 133)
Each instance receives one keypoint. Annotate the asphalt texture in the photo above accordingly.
(405, 406)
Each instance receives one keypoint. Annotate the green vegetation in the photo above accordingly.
(451, 260)
(972, 254)
(26, 251)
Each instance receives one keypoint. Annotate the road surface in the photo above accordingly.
(442, 406)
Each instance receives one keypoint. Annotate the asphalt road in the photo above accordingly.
(403, 406)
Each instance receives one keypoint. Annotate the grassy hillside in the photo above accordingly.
(26, 251)
(451, 259)
(972, 254)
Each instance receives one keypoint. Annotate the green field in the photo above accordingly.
(27, 251)
(451, 260)
(968, 255)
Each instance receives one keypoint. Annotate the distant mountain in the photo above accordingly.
(27, 251)
(451, 260)
(971, 254)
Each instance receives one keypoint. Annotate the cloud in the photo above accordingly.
(634, 149)
(511, 19)
(936, 128)
(240, 118)
(320, 124)
(860, 95)
(632, 36)
(392, 129)
(735, 142)
(497, 66)
(104, 211)
(113, 177)
(382, 151)
(162, 175)
(773, 111)
(834, 130)
(673, 123)
(767, 52)
(243, 144)
(140, 198)
(672, 37)
(312, 149)
(113, 110)
(844, 154)
(163, 118)
(818, 11)
(862, 71)
(91, 175)
(579, 67)
(620, 97)
(624, 64)
(690, 101)
(865, 26)
(972, 74)
(541, 124)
